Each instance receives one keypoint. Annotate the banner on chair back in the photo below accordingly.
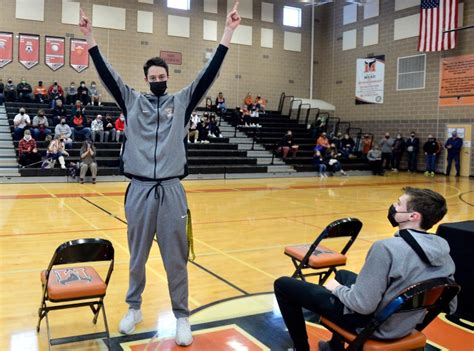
(370, 77)
(28, 50)
(6, 48)
(54, 52)
(79, 55)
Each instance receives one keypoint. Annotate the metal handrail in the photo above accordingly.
(286, 97)
(299, 111)
(291, 106)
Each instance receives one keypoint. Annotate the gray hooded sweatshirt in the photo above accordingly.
(390, 267)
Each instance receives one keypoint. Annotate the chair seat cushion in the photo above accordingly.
(409, 342)
(322, 257)
(73, 283)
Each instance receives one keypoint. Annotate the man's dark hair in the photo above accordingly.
(155, 61)
(430, 204)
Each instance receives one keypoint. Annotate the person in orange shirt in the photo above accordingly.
(248, 101)
(322, 143)
(40, 93)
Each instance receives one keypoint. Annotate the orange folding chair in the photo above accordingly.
(320, 258)
(76, 286)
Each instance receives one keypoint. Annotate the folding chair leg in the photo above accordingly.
(96, 310)
(49, 334)
(324, 276)
(41, 314)
(106, 326)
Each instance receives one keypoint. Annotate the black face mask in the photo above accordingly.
(158, 88)
(9, 82)
(22, 113)
(391, 216)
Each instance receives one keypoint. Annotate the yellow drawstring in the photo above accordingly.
(189, 233)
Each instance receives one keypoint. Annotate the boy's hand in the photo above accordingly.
(85, 24)
(233, 18)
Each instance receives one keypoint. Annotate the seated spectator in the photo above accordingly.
(80, 128)
(193, 133)
(214, 130)
(391, 265)
(88, 161)
(366, 144)
(246, 116)
(203, 130)
(332, 161)
(27, 151)
(109, 130)
(220, 103)
(97, 127)
(40, 126)
(62, 128)
(287, 145)
(56, 151)
(78, 107)
(24, 91)
(254, 118)
(237, 117)
(95, 96)
(83, 94)
(20, 122)
(322, 143)
(397, 152)
(318, 161)
(346, 146)
(2, 91)
(260, 104)
(71, 92)
(41, 93)
(10, 91)
(248, 101)
(119, 127)
(55, 92)
(374, 156)
(58, 112)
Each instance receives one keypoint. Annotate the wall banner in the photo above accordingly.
(28, 50)
(370, 78)
(6, 48)
(54, 52)
(79, 55)
(457, 81)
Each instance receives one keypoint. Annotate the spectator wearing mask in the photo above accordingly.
(10, 91)
(248, 101)
(78, 107)
(27, 151)
(88, 161)
(109, 130)
(322, 143)
(97, 127)
(318, 161)
(58, 112)
(260, 104)
(24, 91)
(287, 145)
(413, 146)
(2, 91)
(332, 161)
(62, 128)
(193, 133)
(56, 151)
(220, 103)
(41, 93)
(95, 96)
(55, 92)
(203, 130)
(386, 144)
(119, 127)
(214, 130)
(397, 152)
(347, 146)
(79, 124)
(83, 93)
(366, 145)
(237, 117)
(71, 92)
(40, 126)
(374, 156)
(431, 149)
(20, 122)
(454, 145)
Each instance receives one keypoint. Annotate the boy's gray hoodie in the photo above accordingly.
(390, 267)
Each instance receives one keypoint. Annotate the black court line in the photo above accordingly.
(225, 281)
(466, 202)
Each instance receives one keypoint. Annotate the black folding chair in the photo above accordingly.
(431, 295)
(76, 283)
(321, 258)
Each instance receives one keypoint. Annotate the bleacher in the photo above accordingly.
(217, 157)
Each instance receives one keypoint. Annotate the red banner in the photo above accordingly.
(54, 52)
(6, 48)
(28, 50)
(79, 55)
(171, 57)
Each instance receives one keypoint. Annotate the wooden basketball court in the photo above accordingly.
(240, 230)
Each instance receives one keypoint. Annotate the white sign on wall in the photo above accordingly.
(370, 78)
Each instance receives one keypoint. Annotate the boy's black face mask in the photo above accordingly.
(158, 88)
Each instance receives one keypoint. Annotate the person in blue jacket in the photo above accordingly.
(453, 145)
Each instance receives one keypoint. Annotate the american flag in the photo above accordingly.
(436, 17)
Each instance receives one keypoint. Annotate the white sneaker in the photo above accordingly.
(183, 332)
(128, 322)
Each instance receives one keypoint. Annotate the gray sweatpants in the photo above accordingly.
(158, 209)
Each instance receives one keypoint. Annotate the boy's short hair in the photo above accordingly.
(155, 61)
(431, 205)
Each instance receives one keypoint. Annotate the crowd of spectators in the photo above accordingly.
(203, 128)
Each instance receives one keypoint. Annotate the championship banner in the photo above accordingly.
(28, 50)
(54, 52)
(457, 81)
(79, 55)
(6, 48)
(370, 77)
